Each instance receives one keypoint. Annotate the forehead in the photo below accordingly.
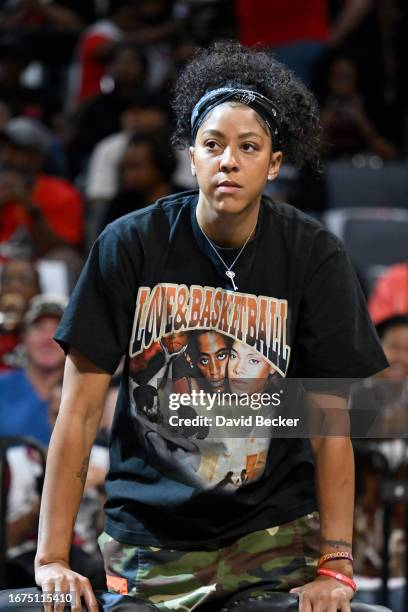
(234, 119)
(398, 333)
(244, 351)
(210, 342)
(43, 322)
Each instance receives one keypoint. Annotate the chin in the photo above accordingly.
(230, 205)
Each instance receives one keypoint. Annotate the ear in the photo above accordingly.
(274, 165)
(191, 152)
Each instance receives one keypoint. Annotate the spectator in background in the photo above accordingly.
(14, 94)
(102, 181)
(388, 390)
(390, 294)
(38, 213)
(145, 174)
(348, 128)
(12, 307)
(102, 177)
(20, 276)
(100, 117)
(296, 31)
(26, 472)
(94, 50)
(25, 393)
(19, 283)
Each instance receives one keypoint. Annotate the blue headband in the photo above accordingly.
(259, 103)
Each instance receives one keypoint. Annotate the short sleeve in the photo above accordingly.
(99, 316)
(335, 336)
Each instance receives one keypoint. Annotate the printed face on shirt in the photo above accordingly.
(232, 157)
(248, 371)
(210, 357)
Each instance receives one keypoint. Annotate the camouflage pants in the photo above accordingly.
(275, 559)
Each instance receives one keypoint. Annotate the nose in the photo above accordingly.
(238, 369)
(213, 368)
(228, 162)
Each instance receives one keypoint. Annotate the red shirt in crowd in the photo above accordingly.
(280, 22)
(88, 69)
(390, 294)
(60, 203)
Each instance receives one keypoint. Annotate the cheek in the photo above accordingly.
(259, 370)
(203, 368)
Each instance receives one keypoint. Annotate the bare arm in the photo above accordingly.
(334, 477)
(83, 394)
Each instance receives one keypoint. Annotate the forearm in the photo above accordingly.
(67, 462)
(67, 466)
(334, 476)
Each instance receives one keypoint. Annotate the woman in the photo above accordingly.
(248, 371)
(228, 260)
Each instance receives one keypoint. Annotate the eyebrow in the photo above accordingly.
(220, 134)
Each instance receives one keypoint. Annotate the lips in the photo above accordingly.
(229, 184)
(239, 382)
(216, 383)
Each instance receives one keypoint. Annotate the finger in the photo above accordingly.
(61, 588)
(75, 594)
(88, 595)
(345, 604)
(333, 606)
(338, 601)
(320, 603)
(47, 589)
(296, 590)
(305, 604)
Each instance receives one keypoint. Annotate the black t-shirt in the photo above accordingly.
(154, 289)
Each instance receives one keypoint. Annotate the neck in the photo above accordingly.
(44, 380)
(227, 229)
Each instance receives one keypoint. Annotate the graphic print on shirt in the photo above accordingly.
(206, 340)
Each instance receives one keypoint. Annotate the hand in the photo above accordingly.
(12, 187)
(58, 577)
(324, 594)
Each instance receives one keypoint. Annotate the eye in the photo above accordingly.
(254, 361)
(249, 146)
(203, 361)
(232, 356)
(222, 356)
(211, 144)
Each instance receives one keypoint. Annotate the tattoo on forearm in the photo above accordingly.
(83, 470)
(336, 543)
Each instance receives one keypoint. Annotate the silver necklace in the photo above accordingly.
(229, 272)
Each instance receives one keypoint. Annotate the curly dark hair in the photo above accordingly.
(231, 64)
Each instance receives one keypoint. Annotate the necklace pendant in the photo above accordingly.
(231, 276)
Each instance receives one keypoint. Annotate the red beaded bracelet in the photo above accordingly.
(334, 556)
(337, 576)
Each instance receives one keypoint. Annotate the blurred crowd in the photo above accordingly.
(85, 124)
